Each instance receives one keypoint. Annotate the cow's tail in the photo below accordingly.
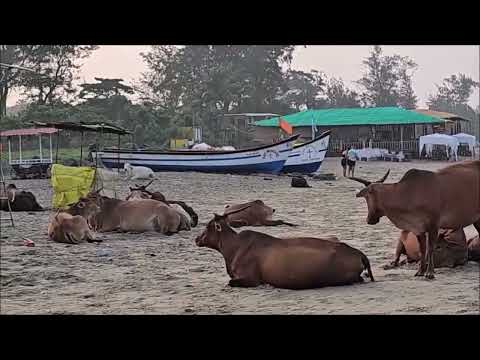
(366, 264)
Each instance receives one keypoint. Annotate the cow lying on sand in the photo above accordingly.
(20, 200)
(135, 216)
(253, 213)
(141, 192)
(423, 202)
(450, 251)
(474, 249)
(253, 258)
(74, 229)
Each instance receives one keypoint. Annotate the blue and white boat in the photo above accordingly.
(264, 159)
(307, 158)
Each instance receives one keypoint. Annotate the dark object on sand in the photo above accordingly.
(325, 177)
(299, 182)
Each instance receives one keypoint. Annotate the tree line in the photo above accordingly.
(198, 84)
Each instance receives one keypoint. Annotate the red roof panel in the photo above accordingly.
(26, 132)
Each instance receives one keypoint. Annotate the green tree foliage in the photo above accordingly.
(55, 69)
(387, 80)
(204, 82)
(337, 95)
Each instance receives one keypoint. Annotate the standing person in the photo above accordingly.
(352, 157)
(344, 162)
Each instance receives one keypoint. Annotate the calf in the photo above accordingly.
(73, 229)
(253, 258)
(451, 249)
(253, 213)
(19, 200)
(423, 202)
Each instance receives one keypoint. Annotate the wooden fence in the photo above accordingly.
(410, 147)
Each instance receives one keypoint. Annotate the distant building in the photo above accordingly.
(391, 128)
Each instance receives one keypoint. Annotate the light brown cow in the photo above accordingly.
(253, 258)
(474, 248)
(73, 229)
(254, 213)
(136, 216)
(451, 249)
(141, 192)
(422, 202)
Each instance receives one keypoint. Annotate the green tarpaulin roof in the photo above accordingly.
(353, 116)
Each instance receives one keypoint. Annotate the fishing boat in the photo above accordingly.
(264, 159)
(307, 158)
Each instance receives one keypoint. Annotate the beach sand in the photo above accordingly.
(152, 273)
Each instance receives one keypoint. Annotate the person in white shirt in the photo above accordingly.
(352, 157)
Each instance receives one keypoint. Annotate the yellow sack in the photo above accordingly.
(70, 184)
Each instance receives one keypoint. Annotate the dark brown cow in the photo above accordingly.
(422, 202)
(474, 249)
(253, 258)
(254, 213)
(451, 249)
(20, 200)
(141, 192)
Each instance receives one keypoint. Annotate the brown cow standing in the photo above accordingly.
(424, 201)
(254, 213)
(474, 248)
(253, 258)
(451, 249)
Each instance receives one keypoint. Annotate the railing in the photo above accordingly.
(335, 148)
(30, 161)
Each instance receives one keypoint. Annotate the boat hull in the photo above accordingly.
(266, 159)
(307, 158)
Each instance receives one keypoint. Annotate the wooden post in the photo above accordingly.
(118, 155)
(20, 145)
(51, 151)
(81, 149)
(56, 151)
(9, 151)
(40, 142)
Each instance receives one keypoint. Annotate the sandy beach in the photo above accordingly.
(152, 273)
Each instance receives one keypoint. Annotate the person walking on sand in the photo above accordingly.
(344, 162)
(352, 157)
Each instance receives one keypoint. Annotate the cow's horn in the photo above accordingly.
(364, 182)
(236, 211)
(145, 186)
(384, 177)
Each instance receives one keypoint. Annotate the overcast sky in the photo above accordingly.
(434, 64)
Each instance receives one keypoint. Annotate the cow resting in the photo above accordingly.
(253, 258)
(253, 213)
(423, 202)
(74, 229)
(19, 200)
(451, 249)
(138, 172)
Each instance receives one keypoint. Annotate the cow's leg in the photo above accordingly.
(244, 282)
(431, 244)
(398, 252)
(277, 222)
(422, 242)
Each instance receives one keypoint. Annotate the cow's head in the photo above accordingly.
(86, 208)
(370, 193)
(140, 192)
(215, 229)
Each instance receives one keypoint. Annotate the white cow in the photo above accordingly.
(138, 172)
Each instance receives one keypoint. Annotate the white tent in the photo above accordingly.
(439, 139)
(466, 139)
